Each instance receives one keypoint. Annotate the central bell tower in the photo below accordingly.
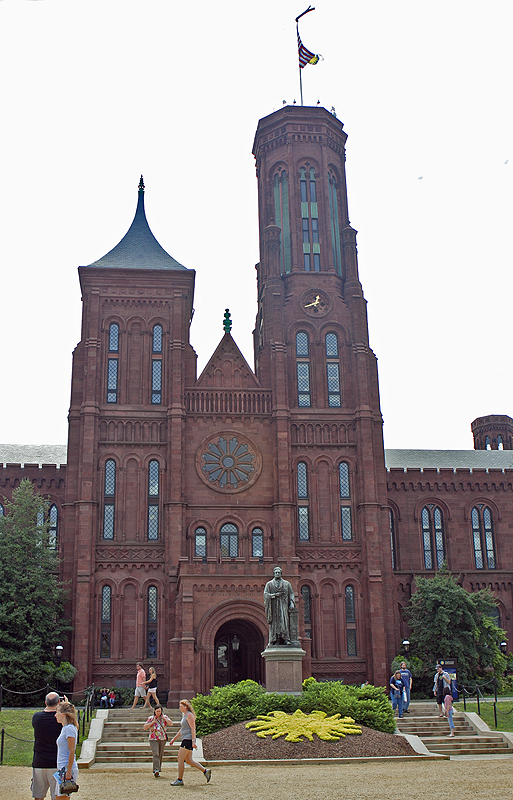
(312, 348)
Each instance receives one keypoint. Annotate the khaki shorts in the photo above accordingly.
(42, 780)
(140, 691)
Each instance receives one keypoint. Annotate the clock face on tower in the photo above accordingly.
(315, 303)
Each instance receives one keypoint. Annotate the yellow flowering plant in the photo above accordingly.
(295, 726)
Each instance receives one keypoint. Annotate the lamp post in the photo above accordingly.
(58, 654)
(406, 646)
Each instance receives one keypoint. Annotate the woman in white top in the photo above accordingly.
(66, 745)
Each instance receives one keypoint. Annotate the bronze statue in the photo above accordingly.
(278, 600)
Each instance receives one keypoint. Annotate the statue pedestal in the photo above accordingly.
(283, 669)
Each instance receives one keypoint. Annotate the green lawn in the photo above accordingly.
(17, 722)
(504, 713)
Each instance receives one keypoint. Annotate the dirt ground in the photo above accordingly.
(387, 780)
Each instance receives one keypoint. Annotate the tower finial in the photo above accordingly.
(141, 184)
(227, 323)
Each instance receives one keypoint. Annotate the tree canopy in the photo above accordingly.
(31, 595)
(447, 621)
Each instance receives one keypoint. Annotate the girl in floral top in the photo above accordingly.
(156, 725)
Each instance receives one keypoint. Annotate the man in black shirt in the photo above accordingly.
(44, 763)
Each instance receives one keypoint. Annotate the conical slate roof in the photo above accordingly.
(138, 249)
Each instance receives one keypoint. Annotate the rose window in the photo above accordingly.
(228, 463)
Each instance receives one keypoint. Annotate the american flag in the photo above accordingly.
(305, 55)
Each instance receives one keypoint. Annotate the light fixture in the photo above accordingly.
(504, 647)
(235, 642)
(58, 651)
(406, 645)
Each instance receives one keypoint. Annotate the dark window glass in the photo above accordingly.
(114, 338)
(108, 521)
(313, 193)
(433, 536)
(153, 522)
(331, 345)
(306, 231)
(303, 383)
(304, 197)
(482, 534)
(350, 609)
(343, 476)
(156, 381)
(392, 536)
(152, 604)
(1, 510)
(200, 543)
(302, 480)
(315, 232)
(157, 339)
(351, 642)
(153, 479)
(304, 525)
(306, 259)
(307, 604)
(347, 531)
(229, 541)
(106, 612)
(53, 517)
(302, 347)
(257, 543)
(110, 478)
(151, 643)
(112, 380)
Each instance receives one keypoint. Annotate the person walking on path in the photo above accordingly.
(187, 733)
(449, 709)
(442, 681)
(156, 725)
(67, 766)
(44, 762)
(140, 691)
(407, 680)
(151, 689)
(396, 692)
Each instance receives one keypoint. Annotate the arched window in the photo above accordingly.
(304, 397)
(156, 340)
(257, 543)
(433, 537)
(500, 442)
(282, 218)
(333, 370)
(307, 610)
(156, 381)
(229, 541)
(109, 493)
(200, 543)
(106, 619)
(346, 525)
(334, 222)
(391, 523)
(350, 621)
(488, 444)
(310, 220)
(53, 518)
(151, 644)
(114, 338)
(303, 502)
(482, 533)
(153, 500)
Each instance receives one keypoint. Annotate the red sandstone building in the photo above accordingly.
(181, 492)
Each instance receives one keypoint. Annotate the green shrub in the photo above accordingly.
(367, 705)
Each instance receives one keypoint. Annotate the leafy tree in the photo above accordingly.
(31, 595)
(446, 621)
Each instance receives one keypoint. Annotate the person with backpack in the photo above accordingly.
(442, 681)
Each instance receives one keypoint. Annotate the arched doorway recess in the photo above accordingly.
(237, 653)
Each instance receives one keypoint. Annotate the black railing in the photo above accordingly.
(476, 691)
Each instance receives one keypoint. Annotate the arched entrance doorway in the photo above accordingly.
(237, 648)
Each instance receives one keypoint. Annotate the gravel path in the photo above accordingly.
(418, 780)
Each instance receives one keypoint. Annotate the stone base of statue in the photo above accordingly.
(284, 668)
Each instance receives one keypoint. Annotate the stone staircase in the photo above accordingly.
(424, 721)
(125, 742)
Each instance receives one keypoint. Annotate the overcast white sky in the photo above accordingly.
(94, 93)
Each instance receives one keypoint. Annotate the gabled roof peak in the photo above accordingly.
(138, 249)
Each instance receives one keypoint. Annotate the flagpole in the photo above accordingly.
(297, 32)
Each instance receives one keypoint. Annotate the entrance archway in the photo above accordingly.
(237, 648)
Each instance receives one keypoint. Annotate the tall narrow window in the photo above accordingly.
(53, 518)
(229, 541)
(500, 442)
(350, 621)
(391, 523)
(257, 543)
(153, 500)
(333, 370)
(200, 543)
(109, 493)
(307, 610)
(310, 220)
(151, 643)
(112, 380)
(433, 537)
(1, 510)
(304, 397)
(334, 223)
(345, 502)
(106, 617)
(281, 216)
(482, 533)
(156, 341)
(156, 381)
(303, 502)
(114, 338)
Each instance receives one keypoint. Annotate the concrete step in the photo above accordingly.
(471, 751)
